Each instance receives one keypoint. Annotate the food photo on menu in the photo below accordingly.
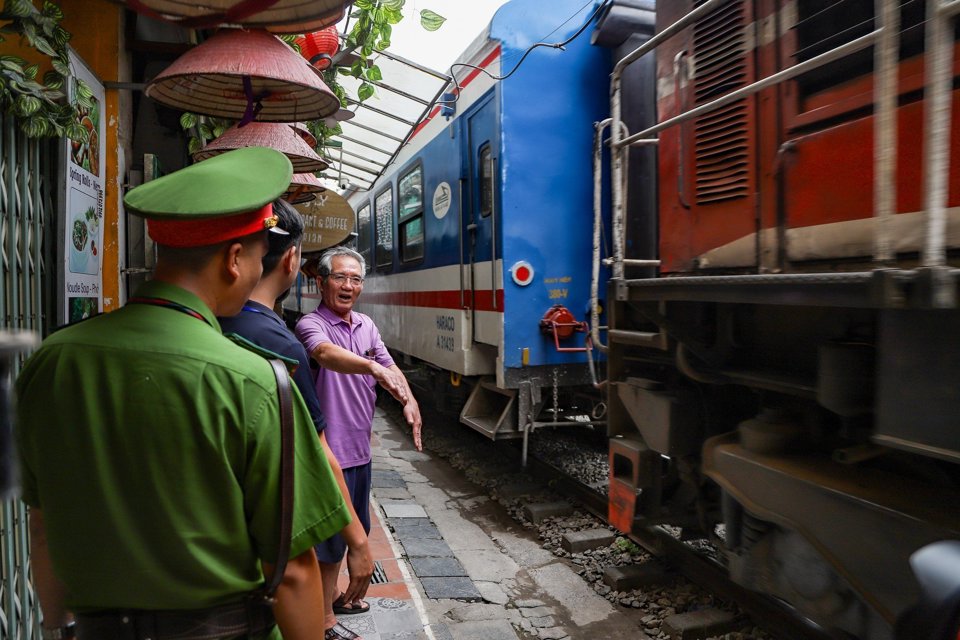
(84, 228)
(87, 154)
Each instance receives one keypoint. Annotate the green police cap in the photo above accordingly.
(227, 196)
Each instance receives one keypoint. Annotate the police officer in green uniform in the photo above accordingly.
(150, 443)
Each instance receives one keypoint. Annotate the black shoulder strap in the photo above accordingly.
(286, 474)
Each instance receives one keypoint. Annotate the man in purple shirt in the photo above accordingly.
(344, 341)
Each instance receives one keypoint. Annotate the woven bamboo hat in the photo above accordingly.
(301, 130)
(304, 187)
(266, 134)
(280, 16)
(309, 26)
(245, 75)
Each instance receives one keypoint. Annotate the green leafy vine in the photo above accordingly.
(371, 32)
(41, 107)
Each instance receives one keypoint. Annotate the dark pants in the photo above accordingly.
(358, 480)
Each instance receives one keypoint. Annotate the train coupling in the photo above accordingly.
(560, 322)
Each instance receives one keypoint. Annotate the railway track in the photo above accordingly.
(770, 615)
(766, 612)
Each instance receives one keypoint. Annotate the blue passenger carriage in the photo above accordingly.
(477, 236)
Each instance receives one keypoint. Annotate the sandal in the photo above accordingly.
(342, 608)
(340, 632)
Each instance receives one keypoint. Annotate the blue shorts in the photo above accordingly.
(331, 550)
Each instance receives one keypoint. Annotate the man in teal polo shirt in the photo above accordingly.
(150, 443)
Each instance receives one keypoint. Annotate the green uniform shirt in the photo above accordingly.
(152, 444)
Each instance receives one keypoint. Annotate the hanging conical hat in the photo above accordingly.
(324, 21)
(266, 134)
(304, 187)
(281, 16)
(340, 115)
(301, 130)
(235, 70)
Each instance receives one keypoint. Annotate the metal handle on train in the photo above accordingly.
(682, 156)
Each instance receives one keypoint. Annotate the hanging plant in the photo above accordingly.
(371, 32)
(41, 107)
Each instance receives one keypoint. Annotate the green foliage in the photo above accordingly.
(626, 545)
(202, 129)
(371, 32)
(430, 20)
(41, 107)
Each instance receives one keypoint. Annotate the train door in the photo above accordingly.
(479, 220)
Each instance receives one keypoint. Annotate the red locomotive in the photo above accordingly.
(788, 383)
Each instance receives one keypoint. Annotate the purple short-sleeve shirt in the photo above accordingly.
(347, 399)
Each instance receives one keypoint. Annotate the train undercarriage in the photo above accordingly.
(804, 422)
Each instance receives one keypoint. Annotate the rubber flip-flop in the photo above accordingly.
(340, 632)
(342, 608)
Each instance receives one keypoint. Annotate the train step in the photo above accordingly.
(492, 411)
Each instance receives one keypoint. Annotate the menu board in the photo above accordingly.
(83, 197)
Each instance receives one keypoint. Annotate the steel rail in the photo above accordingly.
(768, 613)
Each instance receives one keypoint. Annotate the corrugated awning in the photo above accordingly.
(380, 126)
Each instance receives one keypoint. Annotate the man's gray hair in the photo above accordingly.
(326, 260)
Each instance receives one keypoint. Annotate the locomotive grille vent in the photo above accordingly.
(720, 137)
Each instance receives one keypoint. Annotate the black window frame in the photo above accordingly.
(364, 240)
(406, 220)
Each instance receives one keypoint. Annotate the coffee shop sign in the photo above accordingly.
(327, 221)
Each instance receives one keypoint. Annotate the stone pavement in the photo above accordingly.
(453, 566)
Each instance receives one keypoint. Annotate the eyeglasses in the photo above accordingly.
(340, 278)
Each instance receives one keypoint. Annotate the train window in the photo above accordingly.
(410, 216)
(486, 180)
(384, 228)
(364, 225)
(410, 192)
(411, 239)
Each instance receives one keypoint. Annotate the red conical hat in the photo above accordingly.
(266, 134)
(304, 187)
(242, 75)
(280, 16)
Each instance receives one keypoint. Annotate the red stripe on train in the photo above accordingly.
(436, 299)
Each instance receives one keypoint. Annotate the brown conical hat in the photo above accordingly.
(280, 16)
(266, 134)
(304, 187)
(237, 69)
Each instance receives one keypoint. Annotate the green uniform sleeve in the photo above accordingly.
(318, 507)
